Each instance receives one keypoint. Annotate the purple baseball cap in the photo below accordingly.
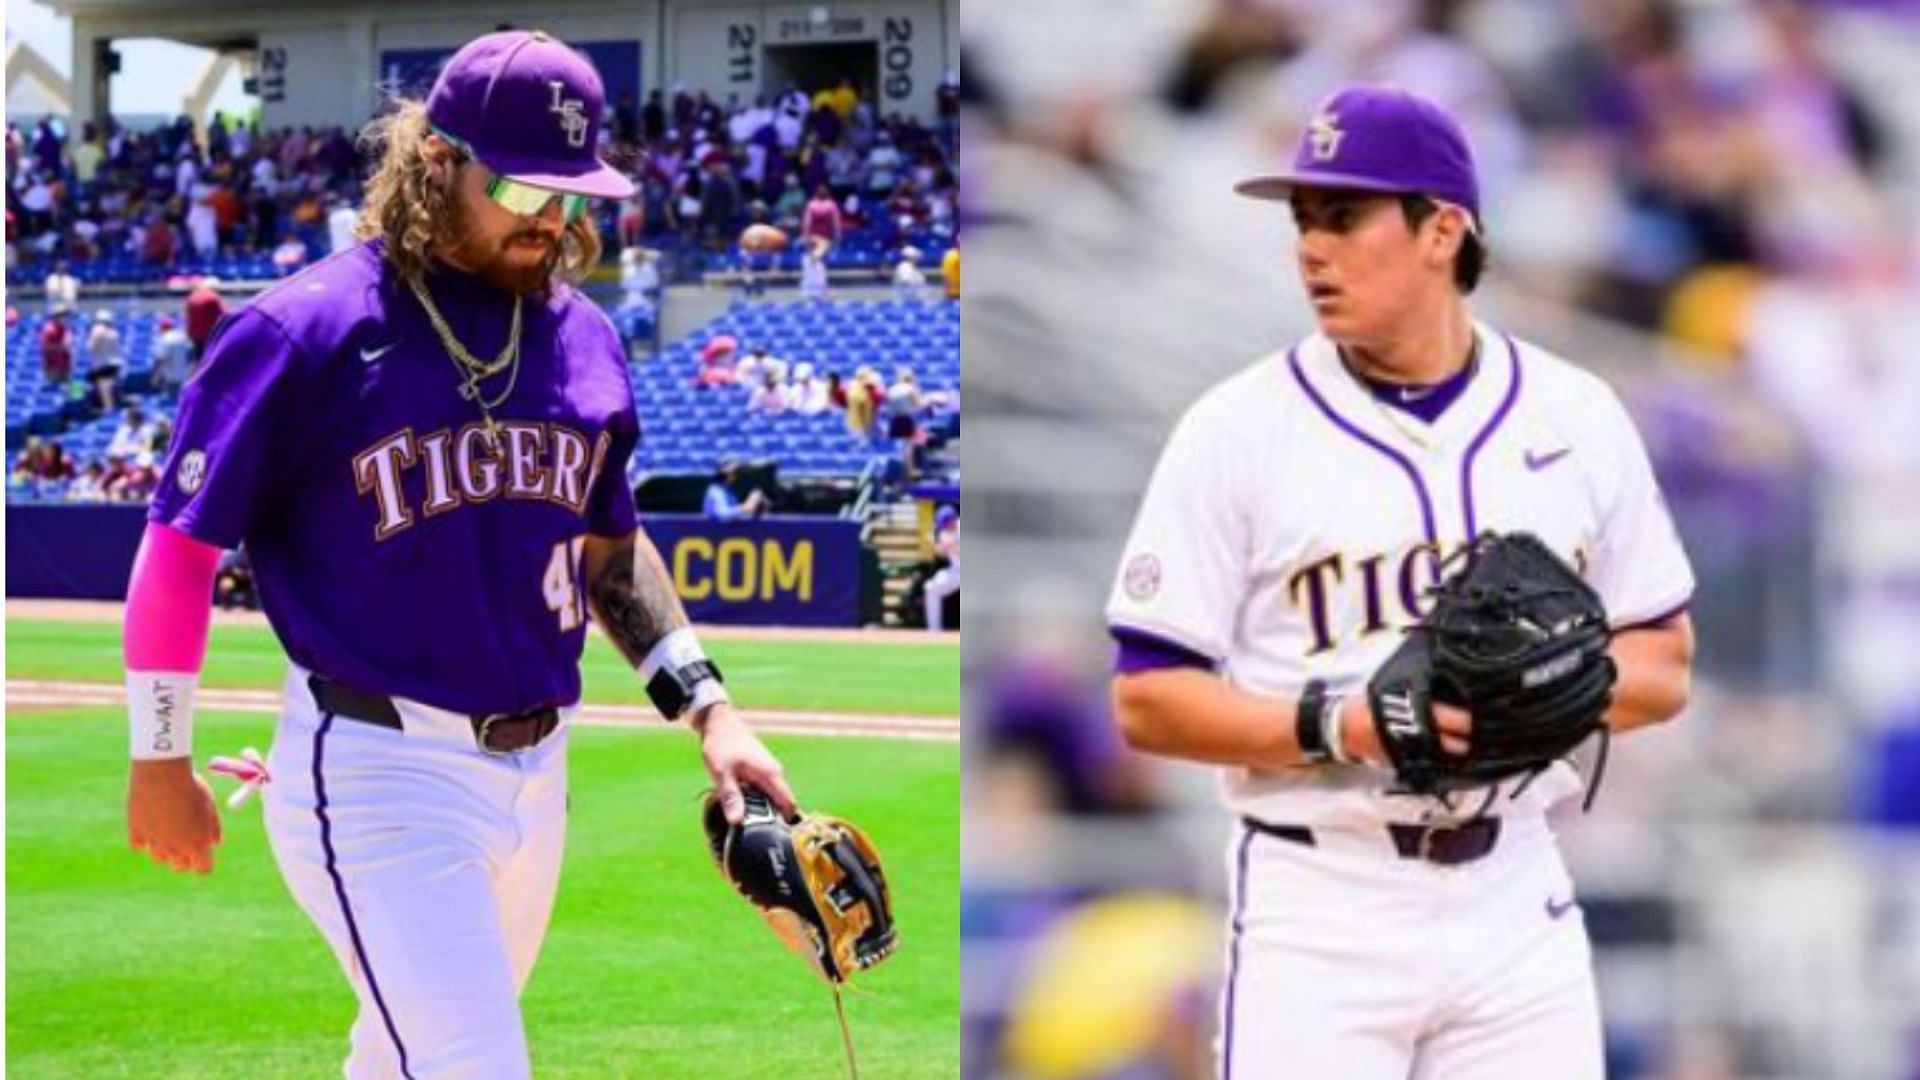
(1378, 138)
(529, 108)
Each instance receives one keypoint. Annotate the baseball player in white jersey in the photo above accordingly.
(1297, 516)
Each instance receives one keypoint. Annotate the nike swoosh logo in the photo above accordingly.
(1559, 910)
(368, 356)
(1537, 460)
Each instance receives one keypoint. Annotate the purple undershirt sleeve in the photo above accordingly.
(1140, 651)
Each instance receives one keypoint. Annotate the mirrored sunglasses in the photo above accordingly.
(530, 201)
(524, 199)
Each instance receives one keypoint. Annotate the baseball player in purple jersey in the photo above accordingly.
(422, 441)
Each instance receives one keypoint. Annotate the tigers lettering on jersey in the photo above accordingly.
(1407, 577)
(1316, 586)
(528, 461)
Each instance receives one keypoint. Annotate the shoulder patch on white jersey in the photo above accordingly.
(1143, 576)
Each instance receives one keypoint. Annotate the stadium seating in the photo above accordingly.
(689, 429)
(684, 429)
(35, 408)
(868, 249)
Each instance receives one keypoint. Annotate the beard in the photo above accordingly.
(514, 263)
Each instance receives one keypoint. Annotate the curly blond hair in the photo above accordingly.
(414, 215)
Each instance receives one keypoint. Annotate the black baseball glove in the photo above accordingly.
(1519, 641)
(817, 882)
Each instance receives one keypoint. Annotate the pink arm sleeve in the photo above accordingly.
(170, 602)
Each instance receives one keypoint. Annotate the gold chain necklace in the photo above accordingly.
(470, 368)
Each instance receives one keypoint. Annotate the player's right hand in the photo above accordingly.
(171, 816)
(1362, 740)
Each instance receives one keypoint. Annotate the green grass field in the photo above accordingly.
(833, 676)
(652, 968)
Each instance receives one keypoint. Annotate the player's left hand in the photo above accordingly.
(734, 755)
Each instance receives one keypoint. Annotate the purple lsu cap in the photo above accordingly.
(529, 108)
(1378, 138)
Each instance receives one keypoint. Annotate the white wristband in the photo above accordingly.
(708, 692)
(679, 677)
(1331, 732)
(678, 649)
(160, 714)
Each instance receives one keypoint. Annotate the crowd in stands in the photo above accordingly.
(895, 415)
(127, 472)
(821, 167)
(110, 204)
(126, 467)
(81, 374)
(1697, 179)
(174, 196)
(815, 166)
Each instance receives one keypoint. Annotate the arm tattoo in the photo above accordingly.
(633, 595)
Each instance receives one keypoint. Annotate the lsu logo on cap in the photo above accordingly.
(572, 120)
(1324, 135)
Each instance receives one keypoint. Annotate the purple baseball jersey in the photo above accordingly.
(399, 549)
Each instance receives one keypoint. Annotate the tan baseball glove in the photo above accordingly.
(818, 883)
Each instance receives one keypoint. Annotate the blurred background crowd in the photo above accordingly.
(129, 206)
(1716, 206)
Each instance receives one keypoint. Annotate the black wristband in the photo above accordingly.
(672, 688)
(1307, 729)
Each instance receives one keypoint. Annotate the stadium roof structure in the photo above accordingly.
(329, 64)
(34, 86)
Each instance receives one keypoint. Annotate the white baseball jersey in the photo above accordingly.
(1295, 522)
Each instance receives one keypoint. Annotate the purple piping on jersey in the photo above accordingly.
(1413, 474)
(340, 888)
(1480, 440)
(1141, 651)
(1233, 959)
(1655, 620)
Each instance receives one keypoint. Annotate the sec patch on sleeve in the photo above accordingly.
(191, 472)
(1143, 576)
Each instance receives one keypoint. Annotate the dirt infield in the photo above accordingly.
(43, 694)
(113, 610)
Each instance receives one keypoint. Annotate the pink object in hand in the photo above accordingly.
(248, 768)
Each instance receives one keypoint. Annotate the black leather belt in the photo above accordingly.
(1444, 845)
(496, 733)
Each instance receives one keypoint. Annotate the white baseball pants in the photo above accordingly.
(430, 867)
(1346, 960)
(944, 583)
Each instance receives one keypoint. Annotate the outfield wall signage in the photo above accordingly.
(787, 572)
(784, 572)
